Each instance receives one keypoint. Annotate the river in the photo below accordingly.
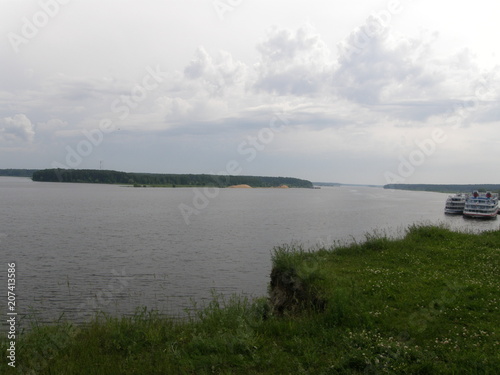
(81, 248)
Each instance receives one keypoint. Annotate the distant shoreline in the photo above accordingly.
(445, 188)
(95, 176)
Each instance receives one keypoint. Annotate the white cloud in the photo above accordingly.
(175, 108)
(50, 130)
(385, 66)
(218, 75)
(16, 128)
(297, 63)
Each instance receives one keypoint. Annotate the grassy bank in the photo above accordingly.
(425, 304)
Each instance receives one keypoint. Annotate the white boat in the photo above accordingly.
(455, 204)
(481, 205)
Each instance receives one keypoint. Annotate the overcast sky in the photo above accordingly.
(358, 91)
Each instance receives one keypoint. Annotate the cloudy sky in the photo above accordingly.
(360, 91)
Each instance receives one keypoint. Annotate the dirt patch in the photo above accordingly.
(289, 294)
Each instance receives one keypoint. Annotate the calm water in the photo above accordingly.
(81, 248)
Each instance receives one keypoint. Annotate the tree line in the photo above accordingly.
(97, 176)
(450, 188)
(17, 172)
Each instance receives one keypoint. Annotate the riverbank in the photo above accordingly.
(424, 304)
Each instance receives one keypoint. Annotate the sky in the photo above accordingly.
(361, 91)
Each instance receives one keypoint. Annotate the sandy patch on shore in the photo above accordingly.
(244, 186)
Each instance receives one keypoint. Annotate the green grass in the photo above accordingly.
(424, 304)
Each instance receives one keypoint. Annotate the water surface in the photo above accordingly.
(86, 247)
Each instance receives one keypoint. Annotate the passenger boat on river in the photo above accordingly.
(455, 204)
(481, 205)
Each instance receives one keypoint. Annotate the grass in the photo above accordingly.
(424, 304)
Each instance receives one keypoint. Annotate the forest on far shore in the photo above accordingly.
(153, 179)
(17, 172)
(450, 188)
